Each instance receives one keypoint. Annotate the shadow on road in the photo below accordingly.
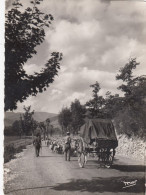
(112, 184)
(51, 156)
(119, 167)
(129, 168)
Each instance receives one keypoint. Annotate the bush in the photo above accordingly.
(9, 152)
(11, 131)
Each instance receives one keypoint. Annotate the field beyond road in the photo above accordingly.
(49, 174)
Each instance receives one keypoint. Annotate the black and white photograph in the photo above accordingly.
(74, 97)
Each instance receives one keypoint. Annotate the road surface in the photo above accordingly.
(49, 174)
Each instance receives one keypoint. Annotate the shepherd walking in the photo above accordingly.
(37, 144)
(67, 150)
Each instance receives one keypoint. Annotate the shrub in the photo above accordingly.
(9, 152)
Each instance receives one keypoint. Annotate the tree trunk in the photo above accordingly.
(20, 134)
(32, 135)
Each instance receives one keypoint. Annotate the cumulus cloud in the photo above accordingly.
(96, 40)
(31, 68)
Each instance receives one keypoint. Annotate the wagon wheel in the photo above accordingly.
(110, 158)
(103, 156)
(82, 160)
(106, 157)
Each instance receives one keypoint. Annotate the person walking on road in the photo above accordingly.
(37, 144)
(67, 150)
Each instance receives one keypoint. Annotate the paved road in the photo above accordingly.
(49, 174)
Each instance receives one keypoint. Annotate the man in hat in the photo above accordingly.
(67, 146)
(37, 144)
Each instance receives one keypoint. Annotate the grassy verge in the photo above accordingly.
(12, 148)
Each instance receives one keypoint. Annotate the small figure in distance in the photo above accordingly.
(67, 149)
(37, 144)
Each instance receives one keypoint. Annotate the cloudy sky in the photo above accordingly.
(96, 39)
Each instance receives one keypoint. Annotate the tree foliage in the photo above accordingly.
(134, 101)
(42, 126)
(24, 30)
(48, 128)
(128, 111)
(48, 121)
(72, 118)
(77, 114)
(16, 126)
(113, 105)
(14, 129)
(134, 88)
(65, 118)
(96, 103)
(29, 123)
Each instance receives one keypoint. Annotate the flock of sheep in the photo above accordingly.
(57, 145)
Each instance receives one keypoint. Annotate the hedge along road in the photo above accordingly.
(50, 174)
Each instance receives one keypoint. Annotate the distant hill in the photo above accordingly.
(10, 117)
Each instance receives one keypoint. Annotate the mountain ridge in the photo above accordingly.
(10, 117)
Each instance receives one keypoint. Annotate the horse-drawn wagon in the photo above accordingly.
(97, 138)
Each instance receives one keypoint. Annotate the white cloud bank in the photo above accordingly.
(96, 39)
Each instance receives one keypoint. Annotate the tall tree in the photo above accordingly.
(134, 101)
(28, 121)
(64, 119)
(24, 30)
(134, 88)
(113, 104)
(42, 126)
(16, 127)
(47, 127)
(77, 113)
(51, 130)
(96, 103)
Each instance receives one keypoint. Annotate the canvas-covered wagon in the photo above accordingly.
(97, 137)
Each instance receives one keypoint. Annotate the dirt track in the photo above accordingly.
(49, 174)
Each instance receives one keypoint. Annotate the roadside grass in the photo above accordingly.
(12, 139)
(13, 145)
(9, 139)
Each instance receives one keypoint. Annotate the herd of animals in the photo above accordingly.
(57, 145)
